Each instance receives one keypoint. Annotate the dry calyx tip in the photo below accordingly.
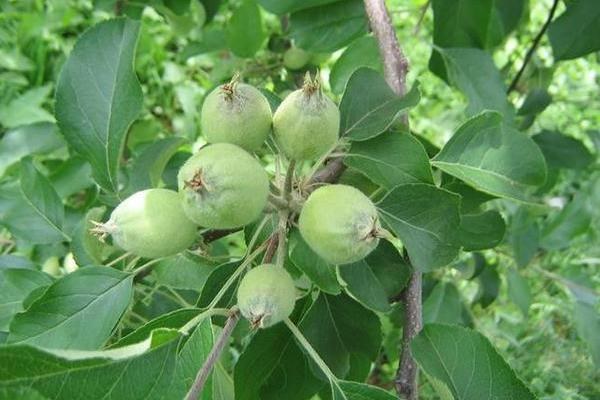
(228, 89)
(197, 183)
(311, 85)
(102, 230)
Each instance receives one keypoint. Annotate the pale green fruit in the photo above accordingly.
(222, 187)
(266, 295)
(236, 113)
(340, 224)
(295, 58)
(151, 224)
(306, 123)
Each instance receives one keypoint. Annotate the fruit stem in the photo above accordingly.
(249, 258)
(389, 236)
(278, 202)
(185, 329)
(312, 353)
(257, 233)
(281, 237)
(145, 266)
(120, 258)
(213, 356)
(289, 179)
(134, 261)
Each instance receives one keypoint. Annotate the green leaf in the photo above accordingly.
(391, 159)
(536, 101)
(23, 221)
(587, 323)
(369, 107)
(215, 282)
(471, 23)
(362, 52)
(489, 285)
(26, 140)
(562, 151)
(481, 231)
(137, 373)
(382, 275)
(245, 33)
(213, 39)
(474, 23)
(390, 268)
(337, 326)
(474, 73)
(316, 269)
(183, 271)
(26, 109)
(72, 176)
(444, 305)
(34, 211)
(41, 196)
(426, 219)
(15, 286)
(328, 27)
(524, 236)
(467, 364)
(471, 199)
(362, 391)
(493, 157)
(576, 32)
(363, 285)
(173, 320)
(567, 224)
(272, 366)
(98, 96)
(518, 290)
(285, 6)
(147, 168)
(21, 392)
(78, 311)
(189, 361)
(87, 249)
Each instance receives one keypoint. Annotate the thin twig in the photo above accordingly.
(421, 17)
(534, 45)
(395, 64)
(216, 234)
(271, 248)
(119, 7)
(213, 356)
(395, 69)
(407, 373)
(289, 179)
(331, 172)
(281, 237)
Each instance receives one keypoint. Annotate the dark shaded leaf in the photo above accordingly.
(328, 27)
(426, 219)
(369, 107)
(466, 364)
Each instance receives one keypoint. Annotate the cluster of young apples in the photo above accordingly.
(224, 186)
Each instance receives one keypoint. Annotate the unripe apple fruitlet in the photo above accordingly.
(340, 224)
(295, 58)
(306, 123)
(266, 295)
(222, 187)
(150, 223)
(236, 113)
